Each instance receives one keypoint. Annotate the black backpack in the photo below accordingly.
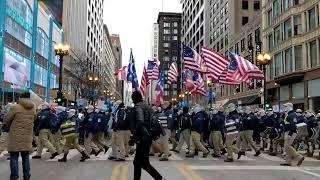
(155, 128)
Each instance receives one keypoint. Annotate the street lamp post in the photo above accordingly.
(93, 80)
(61, 50)
(264, 60)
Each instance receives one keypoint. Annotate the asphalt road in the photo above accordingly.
(178, 168)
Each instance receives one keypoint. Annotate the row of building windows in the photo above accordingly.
(292, 27)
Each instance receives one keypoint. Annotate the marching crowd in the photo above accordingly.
(147, 130)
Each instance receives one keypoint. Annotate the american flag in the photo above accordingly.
(132, 74)
(188, 80)
(192, 60)
(173, 73)
(216, 63)
(144, 82)
(160, 89)
(153, 70)
(224, 80)
(242, 70)
(199, 84)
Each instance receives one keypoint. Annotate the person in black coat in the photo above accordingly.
(216, 126)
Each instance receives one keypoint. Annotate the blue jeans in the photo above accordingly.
(14, 165)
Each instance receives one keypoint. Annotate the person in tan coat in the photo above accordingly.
(20, 120)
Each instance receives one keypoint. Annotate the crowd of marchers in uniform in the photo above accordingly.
(147, 130)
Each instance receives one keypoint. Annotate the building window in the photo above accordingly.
(175, 31)
(297, 25)
(287, 4)
(236, 48)
(166, 93)
(245, 20)
(270, 42)
(288, 60)
(277, 64)
(269, 17)
(166, 31)
(243, 44)
(221, 13)
(245, 5)
(226, 39)
(257, 35)
(175, 38)
(298, 57)
(256, 5)
(166, 38)
(166, 45)
(277, 35)
(175, 24)
(226, 25)
(313, 53)
(221, 43)
(221, 28)
(287, 29)
(276, 8)
(165, 58)
(312, 18)
(166, 24)
(226, 8)
(250, 40)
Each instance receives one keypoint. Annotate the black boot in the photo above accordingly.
(106, 148)
(84, 156)
(64, 159)
(54, 155)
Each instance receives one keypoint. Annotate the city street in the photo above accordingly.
(178, 168)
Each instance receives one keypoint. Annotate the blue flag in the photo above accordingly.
(131, 74)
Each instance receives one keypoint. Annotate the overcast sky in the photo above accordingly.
(133, 20)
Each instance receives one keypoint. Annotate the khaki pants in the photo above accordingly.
(3, 141)
(45, 138)
(241, 144)
(216, 138)
(184, 138)
(126, 136)
(164, 143)
(72, 142)
(231, 148)
(291, 153)
(57, 141)
(248, 140)
(89, 145)
(100, 140)
(195, 143)
(117, 145)
(173, 139)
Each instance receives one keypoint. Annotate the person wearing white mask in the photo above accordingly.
(312, 132)
(290, 133)
(216, 125)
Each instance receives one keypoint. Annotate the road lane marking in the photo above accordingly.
(192, 173)
(125, 172)
(183, 172)
(308, 172)
(115, 172)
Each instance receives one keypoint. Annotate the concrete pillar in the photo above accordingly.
(2, 31)
(34, 42)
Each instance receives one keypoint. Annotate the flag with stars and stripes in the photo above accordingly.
(192, 60)
(173, 73)
(153, 70)
(160, 89)
(144, 82)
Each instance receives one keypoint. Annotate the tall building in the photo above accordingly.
(108, 63)
(194, 23)
(235, 26)
(151, 92)
(28, 34)
(290, 32)
(116, 45)
(169, 48)
(83, 30)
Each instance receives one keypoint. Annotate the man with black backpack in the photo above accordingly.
(142, 138)
(185, 123)
(119, 126)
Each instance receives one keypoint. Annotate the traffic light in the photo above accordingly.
(59, 97)
(267, 105)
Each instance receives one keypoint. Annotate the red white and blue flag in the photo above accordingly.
(192, 60)
(121, 74)
(242, 70)
(144, 82)
(173, 73)
(216, 64)
(199, 84)
(153, 70)
(132, 74)
(160, 90)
